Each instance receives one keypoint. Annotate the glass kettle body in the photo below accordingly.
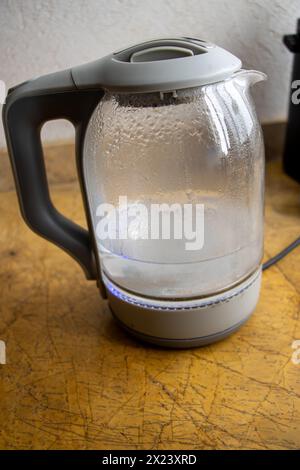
(186, 149)
(203, 146)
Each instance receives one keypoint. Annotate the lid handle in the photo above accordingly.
(160, 53)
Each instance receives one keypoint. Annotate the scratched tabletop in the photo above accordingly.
(74, 380)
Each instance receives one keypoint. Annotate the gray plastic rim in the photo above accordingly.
(180, 343)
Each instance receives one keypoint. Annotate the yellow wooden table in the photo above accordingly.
(74, 380)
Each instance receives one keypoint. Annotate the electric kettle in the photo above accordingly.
(170, 159)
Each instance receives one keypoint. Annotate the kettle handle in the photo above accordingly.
(28, 106)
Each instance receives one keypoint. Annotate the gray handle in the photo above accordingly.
(28, 106)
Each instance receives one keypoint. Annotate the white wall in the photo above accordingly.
(41, 36)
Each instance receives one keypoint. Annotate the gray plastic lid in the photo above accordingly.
(159, 65)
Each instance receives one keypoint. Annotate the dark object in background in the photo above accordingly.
(291, 154)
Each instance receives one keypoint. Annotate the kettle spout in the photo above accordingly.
(248, 78)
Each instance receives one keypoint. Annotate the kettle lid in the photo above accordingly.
(158, 65)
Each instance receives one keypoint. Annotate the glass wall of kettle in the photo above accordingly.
(196, 146)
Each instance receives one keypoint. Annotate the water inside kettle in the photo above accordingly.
(165, 268)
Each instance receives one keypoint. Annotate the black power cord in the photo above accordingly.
(281, 254)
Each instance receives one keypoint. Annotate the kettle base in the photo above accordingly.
(185, 324)
(180, 343)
